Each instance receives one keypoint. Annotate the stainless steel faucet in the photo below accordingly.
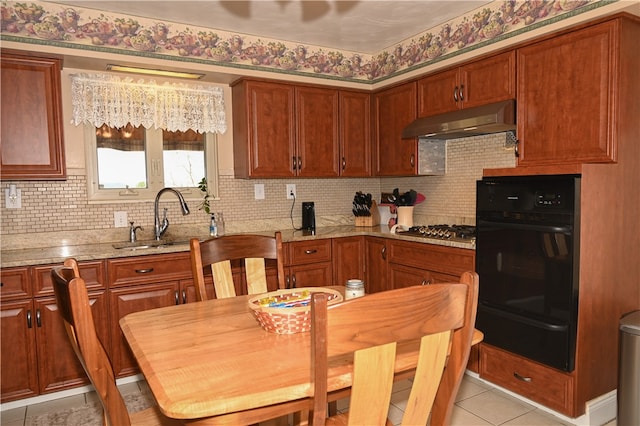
(161, 228)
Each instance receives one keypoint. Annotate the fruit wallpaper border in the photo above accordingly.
(44, 23)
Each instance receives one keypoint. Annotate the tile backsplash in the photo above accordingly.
(62, 205)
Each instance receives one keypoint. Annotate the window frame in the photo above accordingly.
(155, 171)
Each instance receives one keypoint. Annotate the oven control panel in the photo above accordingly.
(544, 198)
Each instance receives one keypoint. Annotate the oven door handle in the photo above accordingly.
(524, 320)
(561, 229)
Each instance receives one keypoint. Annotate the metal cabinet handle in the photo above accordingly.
(413, 160)
(455, 94)
(461, 92)
(294, 164)
(293, 281)
(516, 150)
(144, 271)
(177, 297)
(29, 320)
(38, 318)
(184, 296)
(310, 251)
(287, 282)
(426, 282)
(383, 252)
(522, 378)
(299, 163)
(344, 163)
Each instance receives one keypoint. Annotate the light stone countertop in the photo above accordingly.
(56, 249)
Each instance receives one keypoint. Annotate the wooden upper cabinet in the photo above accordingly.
(567, 92)
(477, 83)
(317, 132)
(395, 108)
(355, 133)
(285, 130)
(31, 139)
(264, 129)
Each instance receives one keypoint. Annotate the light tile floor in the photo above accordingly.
(476, 404)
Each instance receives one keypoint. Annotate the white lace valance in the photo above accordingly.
(106, 99)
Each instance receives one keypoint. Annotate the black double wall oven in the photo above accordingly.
(527, 259)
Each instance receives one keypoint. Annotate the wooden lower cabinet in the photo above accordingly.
(37, 356)
(375, 265)
(137, 284)
(19, 368)
(348, 259)
(126, 300)
(308, 263)
(551, 388)
(58, 365)
(401, 276)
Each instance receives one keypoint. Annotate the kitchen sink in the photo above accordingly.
(149, 244)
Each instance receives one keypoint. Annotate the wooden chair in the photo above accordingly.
(73, 304)
(218, 254)
(440, 316)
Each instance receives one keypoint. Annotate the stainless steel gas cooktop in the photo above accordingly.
(443, 232)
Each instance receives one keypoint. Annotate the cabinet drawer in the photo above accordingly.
(15, 284)
(92, 272)
(549, 387)
(303, 252)
(146, 269)
(448, 260)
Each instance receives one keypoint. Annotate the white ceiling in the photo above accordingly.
(363, 26)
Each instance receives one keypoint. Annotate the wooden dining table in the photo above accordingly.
(212, 363)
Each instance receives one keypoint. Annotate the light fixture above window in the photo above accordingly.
(148, 71)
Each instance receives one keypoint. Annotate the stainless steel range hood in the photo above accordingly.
(482, 120)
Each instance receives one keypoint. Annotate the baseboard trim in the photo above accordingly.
(62, 394)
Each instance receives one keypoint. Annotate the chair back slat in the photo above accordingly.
(219, 252)
(371, 327)
(373, 390)
(73, 303)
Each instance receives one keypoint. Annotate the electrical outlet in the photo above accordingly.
(291, 191)
(120, 219)
(258, 190)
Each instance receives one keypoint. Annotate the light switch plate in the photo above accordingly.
(258, 190)
(120, 219)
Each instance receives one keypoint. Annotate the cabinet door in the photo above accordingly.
(355, 134)
(310, 275)
(317, 132)
(264, 130)
(376, 265)
(348, 259)
(487, 81)
(565, 112)
(401, 276)
(31, 138)
(18, 362)
(126, 300)
(395, 108)
(436, 93)
(58, 365)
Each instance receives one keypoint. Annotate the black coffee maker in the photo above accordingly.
(308, 217)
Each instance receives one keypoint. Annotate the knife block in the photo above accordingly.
(372, 220)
